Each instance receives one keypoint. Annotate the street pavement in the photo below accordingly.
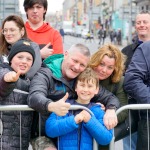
(93, 45)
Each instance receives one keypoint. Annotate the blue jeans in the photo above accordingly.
(126, 142)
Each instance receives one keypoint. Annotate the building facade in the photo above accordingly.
(8, 7)
(111, 14)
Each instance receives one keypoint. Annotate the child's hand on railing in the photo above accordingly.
(79, 118)
(86, 115)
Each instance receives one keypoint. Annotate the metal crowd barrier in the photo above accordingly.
(75, 107)
(12, 108)
(27, 108)
(128, 107)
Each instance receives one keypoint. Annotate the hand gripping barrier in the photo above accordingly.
(128, 107)
(77, 107)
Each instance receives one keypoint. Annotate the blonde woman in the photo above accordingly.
(108, 62)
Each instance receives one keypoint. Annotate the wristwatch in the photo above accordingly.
(111, 107)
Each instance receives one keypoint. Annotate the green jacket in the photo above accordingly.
(118, 91)
(54, 64)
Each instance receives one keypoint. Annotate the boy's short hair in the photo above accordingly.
(88, 75)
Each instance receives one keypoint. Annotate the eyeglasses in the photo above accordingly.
(11, 31)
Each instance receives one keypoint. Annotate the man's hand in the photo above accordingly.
(46, 51)
(110, 119)
(11, 76)
(60, 107)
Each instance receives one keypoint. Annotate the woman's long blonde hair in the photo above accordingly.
(113, 52)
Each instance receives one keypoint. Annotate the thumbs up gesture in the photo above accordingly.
(46, 51)
(60, 107)
(12, 76)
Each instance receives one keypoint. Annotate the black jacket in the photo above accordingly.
(129, 51)
(11, 119)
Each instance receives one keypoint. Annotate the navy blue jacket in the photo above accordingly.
(137, 76)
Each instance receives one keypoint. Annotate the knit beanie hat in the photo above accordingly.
(21, 46)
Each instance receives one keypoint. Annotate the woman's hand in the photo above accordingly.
(110, 119)
(102, 106)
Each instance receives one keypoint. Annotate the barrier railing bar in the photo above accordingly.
(76, 107)
(128, 107)
(15, 107)
(133, 107)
